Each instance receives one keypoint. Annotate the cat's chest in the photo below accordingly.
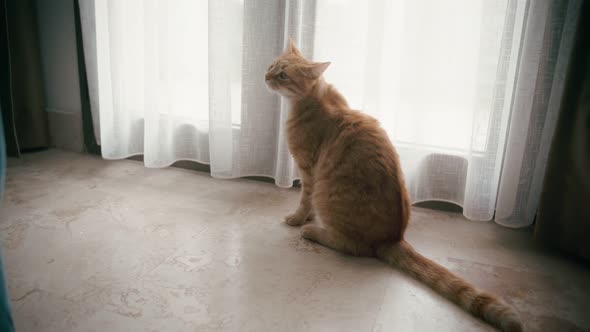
(303, 142)
(298, 137)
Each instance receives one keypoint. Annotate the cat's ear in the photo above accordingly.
(316, 69)
(292, 48)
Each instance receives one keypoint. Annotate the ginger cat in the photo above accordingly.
(352, 182)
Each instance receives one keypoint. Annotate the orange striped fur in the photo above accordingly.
(352, 182)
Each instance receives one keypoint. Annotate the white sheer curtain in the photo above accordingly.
(183, 80)
(439, 75)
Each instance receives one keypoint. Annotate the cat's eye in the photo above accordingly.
(283, 76)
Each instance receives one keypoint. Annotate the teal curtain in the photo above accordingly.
(6, 324)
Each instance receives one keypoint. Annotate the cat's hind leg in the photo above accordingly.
(336, 240)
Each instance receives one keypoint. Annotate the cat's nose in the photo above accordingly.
(267, 77)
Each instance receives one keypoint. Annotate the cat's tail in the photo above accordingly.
(480, 304)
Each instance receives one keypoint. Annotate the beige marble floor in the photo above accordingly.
(94, 245)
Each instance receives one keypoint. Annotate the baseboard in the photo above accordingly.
(65, 130)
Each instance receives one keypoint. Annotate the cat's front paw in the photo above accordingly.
(307, 231)
(295, 219)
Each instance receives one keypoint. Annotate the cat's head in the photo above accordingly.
(292, 75)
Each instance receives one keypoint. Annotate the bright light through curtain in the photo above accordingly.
(439, 75)
(183, 80)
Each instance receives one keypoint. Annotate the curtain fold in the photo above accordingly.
(183, 80)
(21, 89)
(87, 12)
(546, 51)
(246, 121)
(562, 220)
(28, 100)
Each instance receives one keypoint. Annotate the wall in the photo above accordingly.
(59, 59)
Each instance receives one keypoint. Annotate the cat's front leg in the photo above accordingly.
(304, 212)
(296, 218)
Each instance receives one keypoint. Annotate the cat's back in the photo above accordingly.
(358, 148)
(359, 179)
(364, 132)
